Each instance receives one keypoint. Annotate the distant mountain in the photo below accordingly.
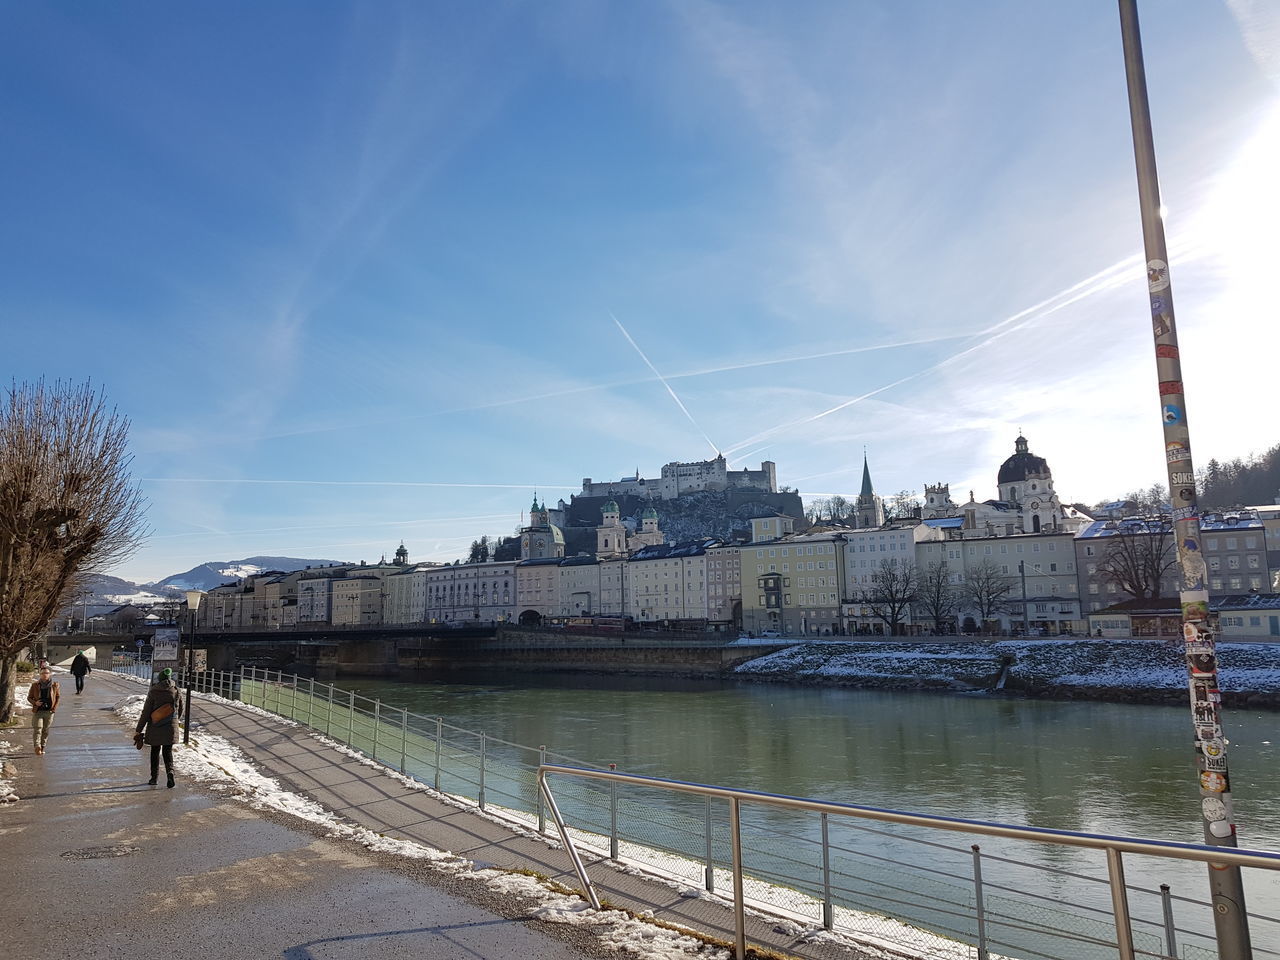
(113, 591)
(217, 572)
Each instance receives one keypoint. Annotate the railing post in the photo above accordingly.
(404, 737)
(545, 789)
(439, 735)
(377, 721)
(542, 811)
(1120, 904)
(739, 911)
(311, 701)
(709, 878)
(293, 696)
(1170, 939)
(328, 713)
(828, 914)
(978, 906)
(351, 718)
(613, 816)
(480, 795)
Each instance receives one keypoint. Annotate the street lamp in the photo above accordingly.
(193, 607)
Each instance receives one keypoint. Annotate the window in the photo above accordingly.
(1231, 543)
(1251, 543)
(1253, 561)
(1233, 563)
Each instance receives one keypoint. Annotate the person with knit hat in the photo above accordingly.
(158, 724)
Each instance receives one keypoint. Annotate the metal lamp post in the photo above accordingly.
(1226, 888)
(193, 607)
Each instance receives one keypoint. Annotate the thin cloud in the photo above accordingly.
(362, 483)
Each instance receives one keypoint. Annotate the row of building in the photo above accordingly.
(788, 578)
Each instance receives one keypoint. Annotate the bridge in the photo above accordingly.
(422, 651)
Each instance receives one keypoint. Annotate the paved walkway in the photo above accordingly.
(89, 788)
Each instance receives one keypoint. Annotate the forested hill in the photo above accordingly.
(1249, 483)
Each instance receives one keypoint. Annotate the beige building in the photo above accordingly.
(357, 600)
(537, 590)
(668, 582)
(406, 594)
(579, 591)
(793, 585)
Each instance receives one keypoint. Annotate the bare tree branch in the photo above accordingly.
(68, 507)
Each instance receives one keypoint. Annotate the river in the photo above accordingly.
(1092, 767)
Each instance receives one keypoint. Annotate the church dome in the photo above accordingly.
(1023, 465)
(649, 513)
(610, 507)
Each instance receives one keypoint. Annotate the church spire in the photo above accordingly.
(867, 490)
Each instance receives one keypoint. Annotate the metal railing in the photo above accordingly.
(1113, 847)
(880, 883)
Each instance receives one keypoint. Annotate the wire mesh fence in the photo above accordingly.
(941, 899)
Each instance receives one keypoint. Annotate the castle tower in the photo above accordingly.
(611, 535)
(937, 501)
(649, 535)
(541, 539)
(869, 509)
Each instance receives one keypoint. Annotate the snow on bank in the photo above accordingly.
(214, 760)
(1129, 664)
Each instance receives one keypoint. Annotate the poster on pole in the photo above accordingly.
(164, 648)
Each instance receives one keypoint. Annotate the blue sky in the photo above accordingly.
(353, 270)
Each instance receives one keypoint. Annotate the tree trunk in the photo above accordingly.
(8, 687)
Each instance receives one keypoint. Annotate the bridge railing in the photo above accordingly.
(893, 884)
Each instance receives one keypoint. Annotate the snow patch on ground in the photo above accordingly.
(214, 760)
(1132, 664)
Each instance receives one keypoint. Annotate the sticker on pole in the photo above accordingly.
(1176, 451)
(1213, 809)
(1172, 413)
(1157, 275)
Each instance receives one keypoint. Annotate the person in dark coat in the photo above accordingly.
(79, 667)
(158, 724)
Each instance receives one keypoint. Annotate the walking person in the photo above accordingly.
(158, 724)
(43, 697)
(79, 667)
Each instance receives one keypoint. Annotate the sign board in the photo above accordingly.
(164, 647)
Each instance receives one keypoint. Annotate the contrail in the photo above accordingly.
(1105, 279)
(364, 483)
(679, 402)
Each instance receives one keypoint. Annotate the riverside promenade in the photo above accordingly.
(111, 867)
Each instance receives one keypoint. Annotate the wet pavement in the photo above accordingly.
(99, 864)
(254, 884)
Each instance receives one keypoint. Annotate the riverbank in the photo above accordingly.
(1116, 671)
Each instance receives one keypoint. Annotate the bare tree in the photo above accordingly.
(68, 507)
(1138, 556)
(891, 592)
(838, 507)
(904, 505)
(936, 597)
(986, 590)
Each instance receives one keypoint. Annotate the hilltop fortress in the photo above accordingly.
(680, 478)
